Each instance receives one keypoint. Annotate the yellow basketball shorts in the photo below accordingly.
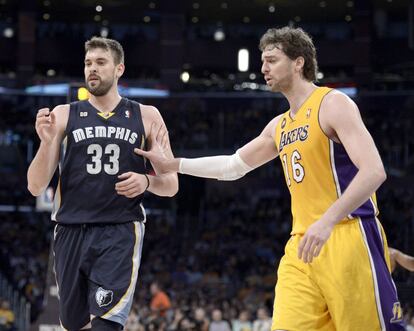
(348, 287)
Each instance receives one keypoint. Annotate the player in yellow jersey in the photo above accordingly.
(335, 274)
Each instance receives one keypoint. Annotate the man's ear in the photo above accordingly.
(299, 64)
(120, 68)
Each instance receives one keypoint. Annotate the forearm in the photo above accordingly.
(406, 261)
(221, 167)
(361, 188)
(163, 185)
(41, 169)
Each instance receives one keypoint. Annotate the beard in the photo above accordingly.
(282, 84)
(100, 87)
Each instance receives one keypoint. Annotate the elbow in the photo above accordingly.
(380, 174)
(174, 191)
(34, 190)
(375, 174)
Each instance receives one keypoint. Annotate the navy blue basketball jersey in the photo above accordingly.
(96, 150)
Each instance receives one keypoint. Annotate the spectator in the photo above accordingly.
(201, 321)
(410, 326)
(243, 322)
(6, 317)
(132, 323)
(218, 324)
(160, 302)
(263, 321)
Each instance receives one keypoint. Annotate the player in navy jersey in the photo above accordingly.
(98, 203)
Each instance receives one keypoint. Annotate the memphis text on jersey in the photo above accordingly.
(287, 138)
(104, 132)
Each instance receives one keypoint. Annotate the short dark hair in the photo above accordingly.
(294, 42)
(107, 44)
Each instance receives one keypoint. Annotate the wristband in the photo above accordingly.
(148, 182)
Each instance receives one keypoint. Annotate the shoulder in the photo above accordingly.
(336, 102)
(149, 111)
(61, 113)
(61, 108)
(337, 111)
(150, 115)
(270, 128)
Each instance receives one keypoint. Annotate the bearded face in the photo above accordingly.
(98, 86)
(101, 72)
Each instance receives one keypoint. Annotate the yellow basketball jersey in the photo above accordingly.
(317, 170)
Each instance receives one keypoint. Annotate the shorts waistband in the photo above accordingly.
(89, 225)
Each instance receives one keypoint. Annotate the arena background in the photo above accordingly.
(215, 245)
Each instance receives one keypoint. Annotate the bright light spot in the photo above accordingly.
(252, 76)
(272, 8)
(185, 77)
(147, 19)
(98, 8)
(243, 60)
(219, 35)
(51, 73)
(46, 16)
(104, 32)
(8, 32)
(320, 75)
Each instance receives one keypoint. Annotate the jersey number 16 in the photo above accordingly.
(298, 171)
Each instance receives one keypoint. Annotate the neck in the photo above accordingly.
(106, 103)
(298, 93)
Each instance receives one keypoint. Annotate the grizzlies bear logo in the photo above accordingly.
(103, 297)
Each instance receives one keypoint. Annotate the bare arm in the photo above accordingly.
(50, 127)
(260, 150)
(133, 184)
(161, 184)
(341, 121)
(404, 260)
(340, 116)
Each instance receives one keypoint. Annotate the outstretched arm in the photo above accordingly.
(257, 152)
(132, 184)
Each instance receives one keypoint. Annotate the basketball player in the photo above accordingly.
(100, 219)
(335, 271)
(399, 258)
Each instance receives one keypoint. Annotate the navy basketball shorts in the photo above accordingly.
(96, 267)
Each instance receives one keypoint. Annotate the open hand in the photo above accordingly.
(159, 153)
(312, 242)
